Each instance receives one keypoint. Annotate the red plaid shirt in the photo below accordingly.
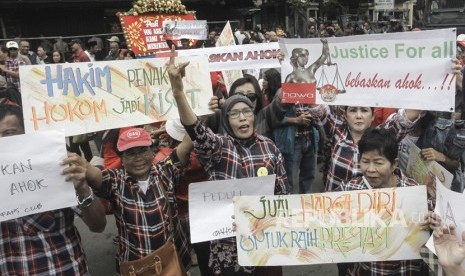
(398, 268)
(223, 157)
(13, 65)
(345, 163)
(42, 244)
(142, 219)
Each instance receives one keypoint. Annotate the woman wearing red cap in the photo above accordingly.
(141, 194)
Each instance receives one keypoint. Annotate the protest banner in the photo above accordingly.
(386, 5)
(425, 172)
(144, 32)
(211, 204)
(188, 29)
(88, 97)
(399, 70)
(235, 57)
(355, 226)
(227, 39)
(29, 176)
(449, 206)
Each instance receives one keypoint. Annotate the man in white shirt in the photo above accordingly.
(91, 49)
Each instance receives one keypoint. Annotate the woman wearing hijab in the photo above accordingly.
(240, 153)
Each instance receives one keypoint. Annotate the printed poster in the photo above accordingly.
(235, 57)
(195, 29)
(399, 70)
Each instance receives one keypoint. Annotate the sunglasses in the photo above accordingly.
(251, 96)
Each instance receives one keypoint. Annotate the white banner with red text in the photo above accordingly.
(399, 70)
(235, 57)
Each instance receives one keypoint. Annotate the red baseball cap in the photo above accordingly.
(133, 137)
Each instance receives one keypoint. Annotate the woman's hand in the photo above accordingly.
(280, 56)
(431, 154)
(176, 72)
(456, 68)
(215, 103)
(449, 250)
(303, 120)
(431, 221)
(76, 170)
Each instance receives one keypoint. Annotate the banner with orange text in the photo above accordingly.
(354, 226)
(399, 70)
(87, 97)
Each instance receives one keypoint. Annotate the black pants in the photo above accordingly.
(202, 249)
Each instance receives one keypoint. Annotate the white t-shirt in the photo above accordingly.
(143, 185)
(404, 150)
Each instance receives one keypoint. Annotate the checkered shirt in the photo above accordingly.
(398, 268)
(13, 65)
(345, 163)
(224, 157)
(47, 243)
(143, 219)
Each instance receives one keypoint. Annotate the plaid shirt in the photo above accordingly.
(143, 219)
(398, 268)
(345, 163)
(47, 243)
(224, 157)
(13, 65)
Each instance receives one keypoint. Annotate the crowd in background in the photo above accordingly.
(343, 137)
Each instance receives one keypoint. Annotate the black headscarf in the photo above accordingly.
(227, 106)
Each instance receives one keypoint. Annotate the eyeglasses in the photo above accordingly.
(131, 155)
(251, 96)
(235, 113)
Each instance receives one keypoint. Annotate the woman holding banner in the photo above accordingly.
(240, 153)
(345, 132)
(378, 165)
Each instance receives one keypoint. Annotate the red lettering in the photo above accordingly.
(407, 83)
(370, 82)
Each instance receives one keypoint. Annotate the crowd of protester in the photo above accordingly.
(141, 179)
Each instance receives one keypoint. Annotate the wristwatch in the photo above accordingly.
(87, 201)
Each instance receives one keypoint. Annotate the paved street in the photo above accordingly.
(100, 252)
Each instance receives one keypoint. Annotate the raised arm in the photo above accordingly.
(321, 60)
(184, 149)
(176, 73)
